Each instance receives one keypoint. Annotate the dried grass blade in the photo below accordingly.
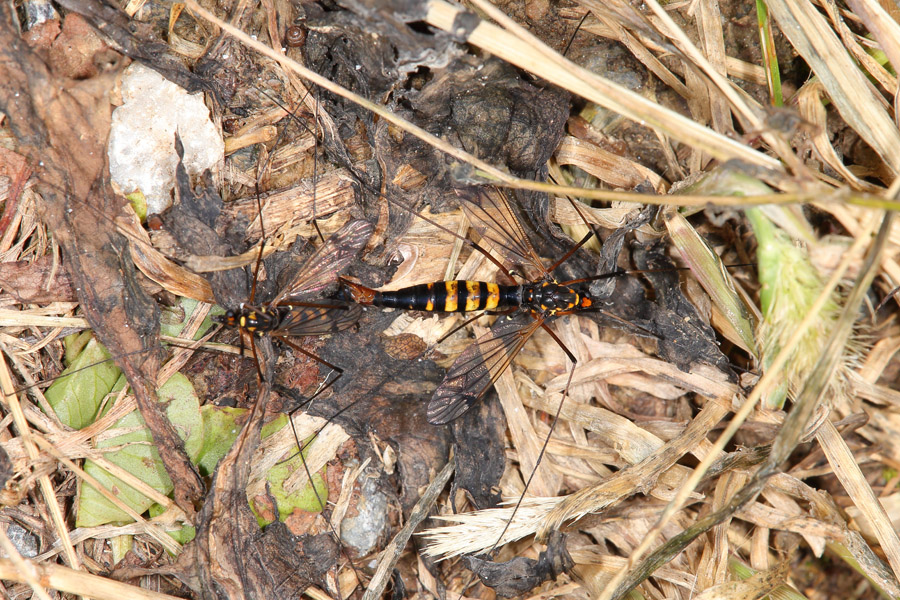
(839, 455)
(764, 386)
(606, 166)
(534, 56)
(11, 400)
(164, 539)
(711, 274)
(850, 91)
(80, 583)
(526, 441)
(418, 514)
(157, 267)
(883, 26)
(709, 28)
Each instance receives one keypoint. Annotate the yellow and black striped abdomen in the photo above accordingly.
(451, 296)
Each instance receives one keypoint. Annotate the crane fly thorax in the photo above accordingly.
(251, 319)
(550, 298)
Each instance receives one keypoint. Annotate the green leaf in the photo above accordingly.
(139, 204)
(183, 410)
(135, 452)
(312, 497)
(183, 535)
(220, 429)
(75, 343)
(273, 426)
(77, 394)
(174, 319)
(120, 546)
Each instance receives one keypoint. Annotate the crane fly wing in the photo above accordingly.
(322, 268)
(491, 216)
(317, 320)
(478, 367)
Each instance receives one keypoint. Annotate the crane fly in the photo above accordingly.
(536, 301)
(293, 312)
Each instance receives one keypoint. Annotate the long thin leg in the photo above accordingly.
(301, 447)
(571, 251)
(556, 339)
(474, 318)
(262, 245)
(256, 360)
(315, 175)
(314, 131)
(319, 360)
(543, 451)
(322, 388)
(471, 319)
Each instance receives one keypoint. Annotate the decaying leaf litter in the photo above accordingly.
(741, 513)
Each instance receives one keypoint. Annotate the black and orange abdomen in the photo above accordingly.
(441, 296)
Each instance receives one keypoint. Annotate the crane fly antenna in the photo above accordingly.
(575, 33)
(314, 131)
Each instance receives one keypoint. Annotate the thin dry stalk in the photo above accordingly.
(71, 581)
(859, 105)
(11, 400)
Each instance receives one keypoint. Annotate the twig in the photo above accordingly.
(391, 554)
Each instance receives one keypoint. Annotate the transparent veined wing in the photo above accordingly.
(492, 217)
(478, 367)
(316, 320)
(321, 269)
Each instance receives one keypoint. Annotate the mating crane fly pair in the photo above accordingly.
(476, 369)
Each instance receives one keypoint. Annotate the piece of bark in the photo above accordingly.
(36, 281)
(521, 575)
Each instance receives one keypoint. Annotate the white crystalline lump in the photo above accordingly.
(142, 140)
